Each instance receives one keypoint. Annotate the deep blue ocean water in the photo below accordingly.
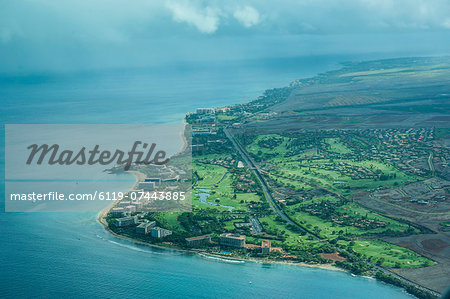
(70, 254)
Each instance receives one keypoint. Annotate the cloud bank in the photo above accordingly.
(247, 16)
(113, 32)
(205, 19)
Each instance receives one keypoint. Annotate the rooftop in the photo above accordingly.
(233, 236)
(197, 238)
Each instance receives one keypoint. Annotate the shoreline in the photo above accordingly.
(404, 282)
(140, 177)
(102, 214)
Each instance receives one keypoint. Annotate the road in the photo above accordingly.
(249, 161)
(430, 163)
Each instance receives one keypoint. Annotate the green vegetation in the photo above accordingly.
(223, 117)
(317, 177)
(337, 147)
(389, 255)
(209, 175)
(445, 226)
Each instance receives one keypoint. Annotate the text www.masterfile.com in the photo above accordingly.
(97, 195)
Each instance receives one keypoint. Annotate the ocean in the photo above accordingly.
(71, 255)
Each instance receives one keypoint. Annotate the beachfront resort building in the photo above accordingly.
(138, 204)
(266, 246)
(147, 186)
(145, 228)
(126, 221)
(124, 203)
(117, 212)
(232, 240)
(130, 209)
(205, 110)
(198, 241)
(156, 181)
(158, 232)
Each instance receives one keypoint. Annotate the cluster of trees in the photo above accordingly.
(380, 275)
(270, 97)
(353, 264)
(270, 142)
(194, 223)
(224, 145)
(388, 176)
(328, 211)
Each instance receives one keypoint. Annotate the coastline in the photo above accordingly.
(237, 259)
(140, 177)
(102, 214)
(101, 218)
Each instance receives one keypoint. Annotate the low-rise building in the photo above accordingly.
(205, 111)
(124, 203)
(145, 228)
(159, 232)
(198, 241)
(157, 181)
(147, 186)
(126, 221)
(137, 204)
(266, 246)
(117, 212)
(232, 240)
(171, 180)
(130, 209)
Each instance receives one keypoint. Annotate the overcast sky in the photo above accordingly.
(81, 34)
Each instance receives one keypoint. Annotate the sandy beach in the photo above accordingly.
(140, 177)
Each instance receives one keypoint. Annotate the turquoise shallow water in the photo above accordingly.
(55, 255)
(70, 254)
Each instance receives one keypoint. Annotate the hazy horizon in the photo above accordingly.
(42, 35)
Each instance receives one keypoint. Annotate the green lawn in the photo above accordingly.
(209, 174)
(390, 255)
(272, 226)
(223, 117)
(254, 147)
(301, 174)
(329, 229)
(223, 192)
(336, 146)
(169, 220)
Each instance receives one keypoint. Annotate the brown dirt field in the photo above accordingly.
(406, 244)
(333, 256)
(434, 245)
